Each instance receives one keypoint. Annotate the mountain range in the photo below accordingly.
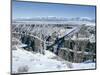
(55, 19)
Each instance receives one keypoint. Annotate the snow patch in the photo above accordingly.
(25, 61)
(35, 62)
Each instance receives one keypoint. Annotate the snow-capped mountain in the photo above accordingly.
(53, 18)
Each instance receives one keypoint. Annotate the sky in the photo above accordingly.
(35, 9)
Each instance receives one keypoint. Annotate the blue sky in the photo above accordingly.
(33, 9)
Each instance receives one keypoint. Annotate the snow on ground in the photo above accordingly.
(25, 61)
(78, 66)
